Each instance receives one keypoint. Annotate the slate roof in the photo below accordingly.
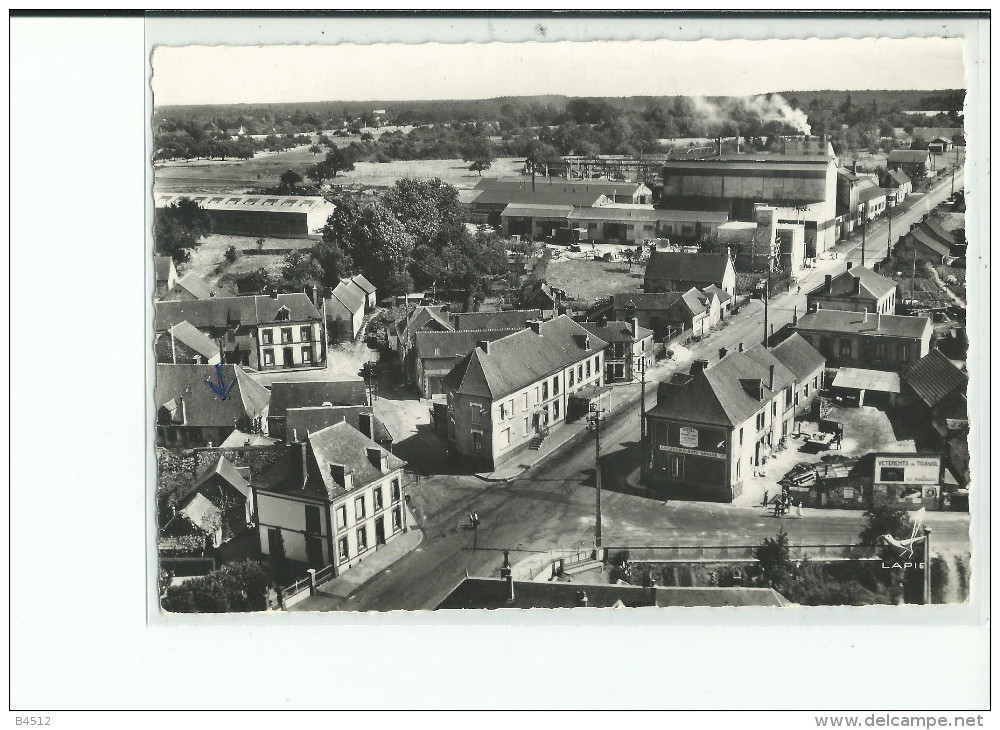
(946, 236)
(847, 174)
(202, 512)
(429, 318)
(721, 394)
(873, 285)
(161, 267)
(616, 331)
(362, 283)
(511, 319)
(801, 358)
(194, 338)
(722, 294)
(302, 421)
(350, 295)
(644, 300)
(900, 177)
(456, 344)
(888, 325)
(492, 593)
(304, 393)
(223, 312)
(872, 193)
(339, 444)
(693, 301)
(225, 469)
(935, 378)
(709, 268)
(199, 288)
(522, 358)
(908, 156)
(202, 406)
(923, 236)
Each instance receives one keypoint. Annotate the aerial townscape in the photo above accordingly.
(555, 352)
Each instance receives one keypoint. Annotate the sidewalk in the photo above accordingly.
(334, 592)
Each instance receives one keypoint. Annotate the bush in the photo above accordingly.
(232, 254)
(621, 567)
(236, 587)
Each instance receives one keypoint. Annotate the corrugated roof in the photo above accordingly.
(935, 378)
(606, 187)
(282, 203)
(528, 210)
(541, 196)
(709, 268)
(222, 312)
(522, 358)
(888, 325)
(648, 215)
(861, 379)
(300, 394)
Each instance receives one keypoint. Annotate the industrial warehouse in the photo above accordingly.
(260, 215)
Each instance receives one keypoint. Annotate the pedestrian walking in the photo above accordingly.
(764, 503)
(798, 509)
(777, 508)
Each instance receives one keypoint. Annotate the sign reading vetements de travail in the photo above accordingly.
(694, 452)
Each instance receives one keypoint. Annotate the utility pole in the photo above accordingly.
(767, 295)
(888, 240)
(642, 418)
(913, 277)
(864, 235)
(594, 421)
(927, 566)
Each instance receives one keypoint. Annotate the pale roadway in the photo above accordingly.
(552, 505)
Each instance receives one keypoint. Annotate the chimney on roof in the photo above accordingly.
(581, 599)
(699, 366)
(366, 424)
(857, 285)
(864, 316)
(378, 458)
(536, 326)
(274, 292)
(849, 265)
(602, 321)
(635, 328)
(342, 475)
(484, 345)
(828, 284)
(770, 380)
(303, 462)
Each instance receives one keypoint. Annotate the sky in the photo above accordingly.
(350, 72)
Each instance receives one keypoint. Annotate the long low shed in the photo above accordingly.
(279, 216)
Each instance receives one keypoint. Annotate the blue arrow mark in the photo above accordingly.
(219, 387)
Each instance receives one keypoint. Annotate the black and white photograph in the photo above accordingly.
(557, 350)
(575, 361)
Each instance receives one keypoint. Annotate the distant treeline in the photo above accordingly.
(556, 125)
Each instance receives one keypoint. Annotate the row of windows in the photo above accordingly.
(360, 505)
(542, 391)
(344, 547)
(267, 336)
(269, 355)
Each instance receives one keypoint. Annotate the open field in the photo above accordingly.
(210, 255)
(586, 280)
(235, 176)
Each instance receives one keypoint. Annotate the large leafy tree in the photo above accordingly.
(429, 209)
(179, 227)
(336, 161)
(885, 520)
(299, 270)
(775, 560)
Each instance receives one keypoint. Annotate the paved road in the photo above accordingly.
(552, 505)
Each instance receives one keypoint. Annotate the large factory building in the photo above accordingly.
(802, 188)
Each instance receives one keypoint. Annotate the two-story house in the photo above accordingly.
(275, 332)
(507, 393)
(333, 499)
(867, 340)
(712, 426)
(858, 289)
(288, 395)
(629, 350)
